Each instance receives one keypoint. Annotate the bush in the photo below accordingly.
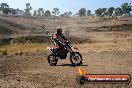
(4, 52)
(19, 40)
(37, 50)
(21, 53)
(27, 53)
(16, 53)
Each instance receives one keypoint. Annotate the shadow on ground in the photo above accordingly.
(70, 65)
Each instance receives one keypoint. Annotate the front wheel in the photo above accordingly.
(52, 60)
(76, 59)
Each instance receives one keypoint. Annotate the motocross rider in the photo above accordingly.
(56, 39)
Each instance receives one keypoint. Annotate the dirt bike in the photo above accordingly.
(75, 57)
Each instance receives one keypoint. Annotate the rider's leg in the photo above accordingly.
(60, 49)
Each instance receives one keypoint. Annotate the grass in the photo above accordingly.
(31, 48)
(13, 49)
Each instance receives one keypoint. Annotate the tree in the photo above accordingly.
(4, 8)
(101, 12)
(89, 13)
(13, 11)
(62, 15)
(76, 14)
(110, 11)
(104, 11)
(40, 11)
(118, 11)
(126, 8)
(19, 12)
(82, 12)
(35, 13)
(27, 10)
(55, 12)
(67, 13)
(47, 13)
(98, 12)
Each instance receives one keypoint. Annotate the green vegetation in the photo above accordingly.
(124, 9)
(35, 13)
(110, 11)
(27, 10)
(38, 39)
(55, 12)
(4, 7)
(20, 53)
(16, 53)
(89, 13)
(47, 13)
(66, 14)
(82, 12)
(40, 12)
(21, 49)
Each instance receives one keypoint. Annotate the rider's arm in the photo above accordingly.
(54, 37)
(64, 37)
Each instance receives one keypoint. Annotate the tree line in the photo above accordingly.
(124, 10)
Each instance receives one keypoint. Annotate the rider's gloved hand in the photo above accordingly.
(68, 41)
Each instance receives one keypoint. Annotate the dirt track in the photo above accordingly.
(103, 54)
(35, 72)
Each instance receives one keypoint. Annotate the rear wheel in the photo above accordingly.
(52, 60)
(76, 59)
